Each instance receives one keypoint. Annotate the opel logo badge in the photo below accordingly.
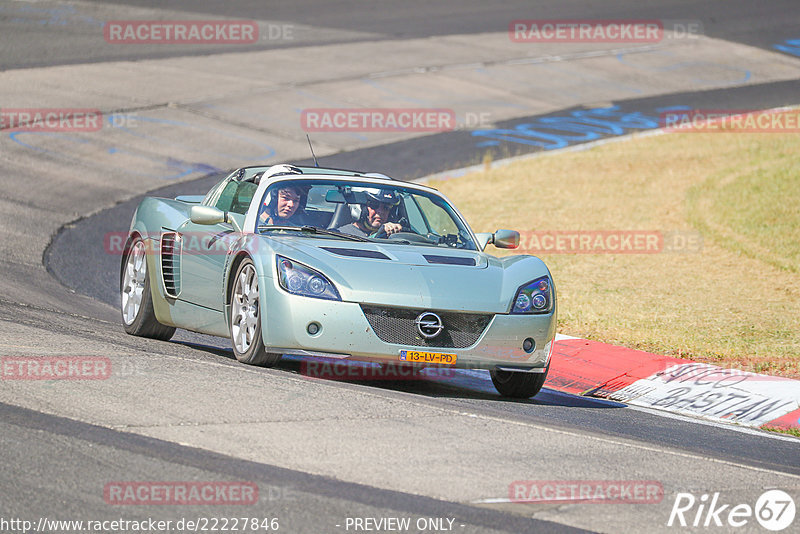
(429, 325)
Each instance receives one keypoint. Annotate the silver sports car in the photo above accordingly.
(339, 264)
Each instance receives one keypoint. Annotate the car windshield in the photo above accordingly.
(382, 212)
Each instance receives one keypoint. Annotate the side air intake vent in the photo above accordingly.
(171, 263)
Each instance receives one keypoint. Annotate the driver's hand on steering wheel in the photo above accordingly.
(392, 228)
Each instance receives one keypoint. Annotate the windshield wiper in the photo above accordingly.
(315, 230)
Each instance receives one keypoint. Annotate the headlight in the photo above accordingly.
(298, 279)
(534, 297)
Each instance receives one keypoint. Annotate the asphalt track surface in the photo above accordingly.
(94, 454)
(755, 23)
(296, 498)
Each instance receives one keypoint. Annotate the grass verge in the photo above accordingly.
(733, 299)
(788, 431)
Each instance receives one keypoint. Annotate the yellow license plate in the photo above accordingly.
(416, 356)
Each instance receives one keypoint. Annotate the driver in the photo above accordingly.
(375, 215)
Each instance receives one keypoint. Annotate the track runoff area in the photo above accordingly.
(661, 384)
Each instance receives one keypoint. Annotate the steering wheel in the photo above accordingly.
(381, 234)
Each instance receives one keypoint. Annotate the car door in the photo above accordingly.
(203, 254)
(205, 248)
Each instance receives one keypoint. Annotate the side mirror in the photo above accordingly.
(500, 239)
(211, 215)
(207, 215)
(506, 239)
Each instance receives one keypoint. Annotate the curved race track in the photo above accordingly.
(321, 452)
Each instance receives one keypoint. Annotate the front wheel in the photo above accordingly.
(248, 346)
(138, 316)
(518, 385)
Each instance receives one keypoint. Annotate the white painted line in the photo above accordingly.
(661, 412)
(633, 445)
(707, 422)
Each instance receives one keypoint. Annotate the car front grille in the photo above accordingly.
(396, 325)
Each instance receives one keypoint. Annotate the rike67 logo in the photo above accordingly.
(774, 510)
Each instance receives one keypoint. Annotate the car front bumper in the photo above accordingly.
(343, 331)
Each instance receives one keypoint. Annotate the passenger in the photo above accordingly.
(284, 206)
(375, 216)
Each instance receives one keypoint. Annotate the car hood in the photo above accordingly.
(414, 276)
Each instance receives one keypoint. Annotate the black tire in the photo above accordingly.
(254, 352)
(144, 323)
(518, 385)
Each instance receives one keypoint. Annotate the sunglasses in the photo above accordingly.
(378, 205)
